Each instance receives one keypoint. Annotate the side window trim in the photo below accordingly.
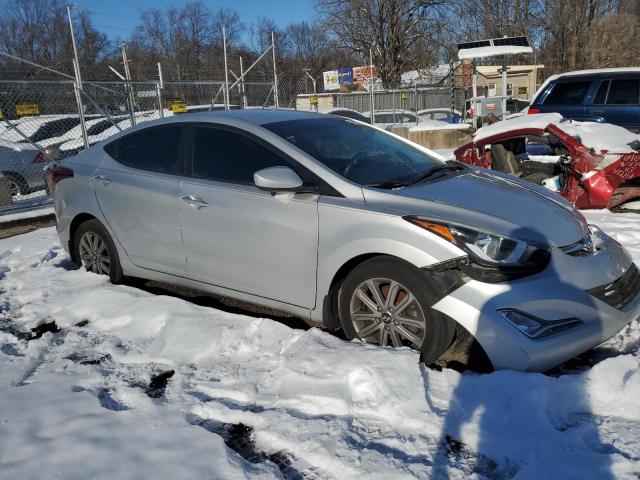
(181, 150)
(597, 90)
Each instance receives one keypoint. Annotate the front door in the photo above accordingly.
(238, 236)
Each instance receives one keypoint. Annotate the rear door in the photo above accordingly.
(617, 101)
(137, 187)
(567, 97)
(238, 236)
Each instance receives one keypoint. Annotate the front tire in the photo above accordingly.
(95, 251)
(388, 302)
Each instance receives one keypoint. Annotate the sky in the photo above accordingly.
(118, 18)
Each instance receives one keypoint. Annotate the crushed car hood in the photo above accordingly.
(490, 202)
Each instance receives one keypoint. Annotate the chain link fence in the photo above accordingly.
(41, 121)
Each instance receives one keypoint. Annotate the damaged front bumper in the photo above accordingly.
(601, 291)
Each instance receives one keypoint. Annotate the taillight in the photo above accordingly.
(40, 158)
(533, 111)
(59, 173)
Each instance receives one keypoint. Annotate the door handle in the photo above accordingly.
(193, 201)
(102, 179)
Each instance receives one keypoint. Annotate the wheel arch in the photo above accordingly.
(330, 317)
(23, 185)
(78, 220)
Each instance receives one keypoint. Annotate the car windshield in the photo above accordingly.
(360, 153)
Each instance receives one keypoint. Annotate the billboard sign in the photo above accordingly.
(331, 80)
(362, 75)
(345, 76)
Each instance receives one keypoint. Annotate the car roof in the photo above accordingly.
(258, 116)
(596, 72)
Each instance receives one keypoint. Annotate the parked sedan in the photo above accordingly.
(441, 114)
(350, 227)
(389, 118)
(22, 164)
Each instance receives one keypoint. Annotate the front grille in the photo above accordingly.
(620, 292)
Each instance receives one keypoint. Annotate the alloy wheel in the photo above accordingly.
(94, 254)
(386, 312)
(14, 187)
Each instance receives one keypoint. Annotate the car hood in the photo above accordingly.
(489, 202)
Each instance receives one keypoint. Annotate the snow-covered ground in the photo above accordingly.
(80, 402)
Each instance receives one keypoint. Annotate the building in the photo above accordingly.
(522, 80)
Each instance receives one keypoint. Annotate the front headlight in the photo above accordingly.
(492, 258)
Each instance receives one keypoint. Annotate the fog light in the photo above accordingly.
(535, 327)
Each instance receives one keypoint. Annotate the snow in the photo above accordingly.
(428, 76)
(602, 137)
(73, 403)
(492, 51)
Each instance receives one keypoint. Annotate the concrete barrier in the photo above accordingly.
(436, 139)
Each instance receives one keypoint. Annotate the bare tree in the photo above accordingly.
(391, 28)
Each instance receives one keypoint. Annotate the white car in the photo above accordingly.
(389, 118)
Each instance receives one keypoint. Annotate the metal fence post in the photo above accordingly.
(415, 96)
(129, 88)
(226, 69)
(78, 84)
(371, 95)
(451, 77)
(160, 86)
(242, 92)
(275, 72)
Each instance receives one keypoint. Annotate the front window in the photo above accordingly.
(360, 153)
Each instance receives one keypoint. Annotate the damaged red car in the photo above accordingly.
(592, 165)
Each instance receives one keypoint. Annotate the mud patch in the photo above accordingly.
(461, 457)
(158, 384)
(239, 438)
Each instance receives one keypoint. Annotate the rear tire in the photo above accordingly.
(17, 184)
(386, 301)
(96, 252)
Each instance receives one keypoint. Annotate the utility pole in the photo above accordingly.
(78, 84)
(275, 72)
(129, 88)
(504, 87)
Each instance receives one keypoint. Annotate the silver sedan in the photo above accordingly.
(351, 228)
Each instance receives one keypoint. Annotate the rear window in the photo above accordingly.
(155, 149)
(567, 93)
(624, 92)
(54, 129)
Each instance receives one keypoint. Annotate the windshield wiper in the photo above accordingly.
(433, 171)
(388, 184)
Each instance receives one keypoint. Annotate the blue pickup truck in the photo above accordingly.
(608, 95)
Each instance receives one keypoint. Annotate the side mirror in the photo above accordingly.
(276, 179)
